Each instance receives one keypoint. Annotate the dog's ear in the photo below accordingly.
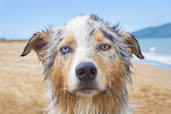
(38, 43)
(133, 46)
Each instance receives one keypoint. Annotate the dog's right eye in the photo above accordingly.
(65, 49)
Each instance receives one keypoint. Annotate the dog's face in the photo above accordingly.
(86, 62)
(86, 57)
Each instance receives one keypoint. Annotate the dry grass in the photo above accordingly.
(21, 81)
(22, 87)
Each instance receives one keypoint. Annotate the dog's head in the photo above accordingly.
(85, 57)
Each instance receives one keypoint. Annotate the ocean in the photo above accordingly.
(157, 51)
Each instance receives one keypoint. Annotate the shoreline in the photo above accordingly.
(154, 63)
(155, 59)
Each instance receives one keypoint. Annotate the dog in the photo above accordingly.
(87, 64)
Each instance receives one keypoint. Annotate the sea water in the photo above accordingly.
(157, 51)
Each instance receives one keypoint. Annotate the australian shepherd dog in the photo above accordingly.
(87, 65)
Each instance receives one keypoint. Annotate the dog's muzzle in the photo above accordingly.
(86, 73)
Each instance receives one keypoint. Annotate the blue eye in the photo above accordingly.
(65, 49)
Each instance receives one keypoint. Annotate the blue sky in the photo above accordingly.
(21, 18)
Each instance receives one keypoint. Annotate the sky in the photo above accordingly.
(19, 19)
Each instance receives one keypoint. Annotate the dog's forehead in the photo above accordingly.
(77, 22)
(83, 28)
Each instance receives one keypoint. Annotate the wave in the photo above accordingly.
(156, 59)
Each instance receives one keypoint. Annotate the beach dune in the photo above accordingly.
(22, 85)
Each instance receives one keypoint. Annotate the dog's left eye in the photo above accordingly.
(105, 47)
(65, 49)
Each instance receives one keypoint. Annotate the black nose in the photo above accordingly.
(86, 71)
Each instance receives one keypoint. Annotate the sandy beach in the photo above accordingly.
(22, 87)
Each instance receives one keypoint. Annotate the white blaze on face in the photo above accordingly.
(77, 28)
(82, 54)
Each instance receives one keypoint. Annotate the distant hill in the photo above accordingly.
(154, 32)
(2, 38)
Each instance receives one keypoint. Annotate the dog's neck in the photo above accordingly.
(63, 103)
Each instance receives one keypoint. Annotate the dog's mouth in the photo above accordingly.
(82, 91)
(90, 90)
(87, 90)
(105, 91)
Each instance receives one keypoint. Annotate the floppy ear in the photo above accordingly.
(133, 46)
(38, 43)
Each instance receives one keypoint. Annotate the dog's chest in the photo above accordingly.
(85, 106)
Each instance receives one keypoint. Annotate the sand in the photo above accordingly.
(22, 88)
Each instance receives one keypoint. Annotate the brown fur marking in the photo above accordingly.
(69, 39)
(59, 79)
(133, 46)
(98, 37)
(115, 75)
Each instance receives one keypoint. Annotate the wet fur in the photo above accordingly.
(58, 67)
